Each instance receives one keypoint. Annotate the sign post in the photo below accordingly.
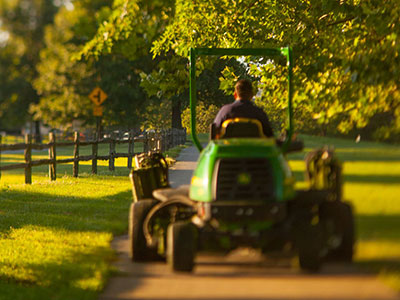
(98, 96)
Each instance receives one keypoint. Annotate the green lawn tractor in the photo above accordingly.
(242, 194)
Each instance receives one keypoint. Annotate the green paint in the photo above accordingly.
(201, 188)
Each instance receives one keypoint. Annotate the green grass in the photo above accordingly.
(55, 236)
(12, 139)
(372, 185)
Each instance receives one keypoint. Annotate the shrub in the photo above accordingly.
(204, 117)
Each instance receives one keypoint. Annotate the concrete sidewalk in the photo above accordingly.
(244, 274)
(181, 172)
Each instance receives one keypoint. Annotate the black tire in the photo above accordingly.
(306, 199)
(309, 245)
(138, 249)
(181, 246)
(338, 221)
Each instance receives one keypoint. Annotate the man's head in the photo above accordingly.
(243, 90)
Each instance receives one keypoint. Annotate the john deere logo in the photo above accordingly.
(244, 179)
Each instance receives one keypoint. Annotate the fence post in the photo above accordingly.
(162, 141)
(75, 170)
(169, 139)
(28, 158)
(52, 156)
(131, 148)
(165, 138)
(153, 143)
(146, 142)
(159, 142)
(94, 152)
(111, 160)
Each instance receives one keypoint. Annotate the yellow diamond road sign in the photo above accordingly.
(98, 96)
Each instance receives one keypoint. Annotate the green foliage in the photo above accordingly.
(346, 52)
(130, 29)
(59, 78)
(169, 78)
(157, 114)
(128, 33)
(24, 22)
(64, 84)
(205, 115)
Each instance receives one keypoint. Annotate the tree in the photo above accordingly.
(168, 78)
(346, 52)
(205, 115)
(64, 84)
(24, 22)
(129, 32)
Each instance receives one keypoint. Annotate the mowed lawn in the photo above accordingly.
(55, 236)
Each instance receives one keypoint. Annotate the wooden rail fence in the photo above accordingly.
(152, 141)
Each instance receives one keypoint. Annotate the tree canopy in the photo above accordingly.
(346, 52)
(23, 22)
(64, 84)
(346, 55)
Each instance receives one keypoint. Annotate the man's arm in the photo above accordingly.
(267, 128)
(220, 118)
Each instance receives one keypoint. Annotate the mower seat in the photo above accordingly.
(241, 128)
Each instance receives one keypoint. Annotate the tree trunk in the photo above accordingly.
(176, 113)
(38, 136)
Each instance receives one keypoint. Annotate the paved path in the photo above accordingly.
(244, 274)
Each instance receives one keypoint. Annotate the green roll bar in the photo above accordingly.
(286, 51)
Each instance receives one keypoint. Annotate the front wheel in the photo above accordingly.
(138, 250)
(181, 246)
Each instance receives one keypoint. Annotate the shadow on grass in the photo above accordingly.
(385, 227)
(85, 171)
(64, 212)
(362, 155)
(68, 279)
(369, 156)
(378, 179)
(77, 273)
(298, 175)
(388, 179)
(379, 264)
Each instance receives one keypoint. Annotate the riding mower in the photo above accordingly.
(242, 193)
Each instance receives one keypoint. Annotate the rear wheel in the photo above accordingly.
(338, 221)
(139, 251)
(307, 230)
(181, 246)
(309, 246)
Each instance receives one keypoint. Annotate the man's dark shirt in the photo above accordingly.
(243, 109)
